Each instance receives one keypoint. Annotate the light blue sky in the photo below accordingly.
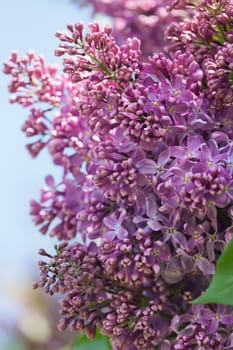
(24, 25)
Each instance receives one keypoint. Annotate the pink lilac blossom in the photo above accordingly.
(209, 36)
(147, 184)
(142, 19)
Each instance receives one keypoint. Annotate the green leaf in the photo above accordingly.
(220, 290)
(82, 342)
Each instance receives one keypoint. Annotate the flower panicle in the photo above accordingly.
(146, 152)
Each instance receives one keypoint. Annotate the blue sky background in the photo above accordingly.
(24, 25)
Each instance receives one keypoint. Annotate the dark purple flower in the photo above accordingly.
(212, 319)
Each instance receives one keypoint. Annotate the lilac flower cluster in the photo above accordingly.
(147, 156)
(143, 19)
(209, 36)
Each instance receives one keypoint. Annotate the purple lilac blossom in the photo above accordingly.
(208, 35)
(146, 20)
(147, 185)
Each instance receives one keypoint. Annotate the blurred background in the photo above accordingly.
(27, 318)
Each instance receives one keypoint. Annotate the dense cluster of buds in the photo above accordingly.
(147, 20)
(146, 150)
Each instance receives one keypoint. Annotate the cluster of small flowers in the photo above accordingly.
(209, 36)
(143, 19)
(147, 156)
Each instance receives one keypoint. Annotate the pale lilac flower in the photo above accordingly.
(113, 223)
